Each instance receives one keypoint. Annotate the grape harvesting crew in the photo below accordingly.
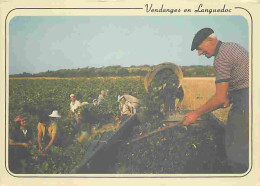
(47, 132)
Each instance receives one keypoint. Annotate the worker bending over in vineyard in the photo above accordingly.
(94, 103)
(232, 84)
(126, 109)
(47, 132)
(132, 101)
(19, 141)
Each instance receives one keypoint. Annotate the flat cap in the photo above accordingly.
(200, 36)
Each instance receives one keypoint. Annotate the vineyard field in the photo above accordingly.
(30, 97)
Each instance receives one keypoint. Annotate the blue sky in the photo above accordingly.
(39, 44)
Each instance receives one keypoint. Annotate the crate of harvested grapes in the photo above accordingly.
(163, 85)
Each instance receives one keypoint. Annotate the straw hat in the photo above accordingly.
(119, 98)
(55, 114)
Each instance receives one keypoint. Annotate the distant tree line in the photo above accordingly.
(188, 71)
(198, 71)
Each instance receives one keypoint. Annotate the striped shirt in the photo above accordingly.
(232, 65)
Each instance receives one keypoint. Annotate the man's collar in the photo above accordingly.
(217, 48)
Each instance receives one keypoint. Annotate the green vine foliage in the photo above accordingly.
(32, 97)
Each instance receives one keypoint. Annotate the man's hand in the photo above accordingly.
(25, 144)
(70, 114)
(45, 150)
(178, 106)
(40, 148)
(226, 104)
(116, 118)
(42, 152)
(191, 117)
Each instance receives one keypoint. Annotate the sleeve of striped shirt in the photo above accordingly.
(223, 71)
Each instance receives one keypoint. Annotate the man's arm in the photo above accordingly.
(120, 109)
(40, 139)
(219, 99)
(11, 142)
(99, 99)
(30, 136)
(130, 108)
(50, 142)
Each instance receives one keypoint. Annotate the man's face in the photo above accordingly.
(123, 100)
(205, 48)
(72, 98)
(103, 93)
(23, 123)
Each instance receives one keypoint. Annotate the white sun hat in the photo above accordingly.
(119, 98)
(55, 114)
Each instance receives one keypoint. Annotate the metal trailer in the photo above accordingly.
(101, 154)
(101, 151)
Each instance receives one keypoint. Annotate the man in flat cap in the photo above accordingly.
(231, 64)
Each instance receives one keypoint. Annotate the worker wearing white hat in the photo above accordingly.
(126, 109)
(74, 105)
(55, 114)
(47, 131)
